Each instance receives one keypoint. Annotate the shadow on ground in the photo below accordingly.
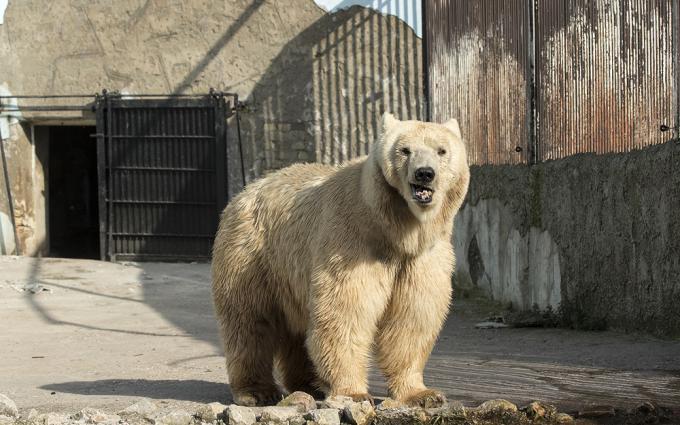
(183, 390)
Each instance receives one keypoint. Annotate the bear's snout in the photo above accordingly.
(424, 174)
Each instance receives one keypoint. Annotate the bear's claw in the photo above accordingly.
(426, 399)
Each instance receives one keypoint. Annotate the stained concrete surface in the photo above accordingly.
(104, 335)
(609, 237)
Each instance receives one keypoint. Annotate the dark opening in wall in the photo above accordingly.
(72, 184)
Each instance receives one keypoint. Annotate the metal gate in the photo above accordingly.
(162, 175)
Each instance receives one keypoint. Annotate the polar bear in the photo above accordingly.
(317, 268)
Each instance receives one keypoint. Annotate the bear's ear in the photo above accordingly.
(452, 125)
(388, 121)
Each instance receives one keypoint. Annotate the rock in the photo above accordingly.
(563, 418)
(210, 412)
(278, 415)
(92, 416)
(32, 414)
(358, 413)
(399, 415)
(51, 419)
(144, 408)
(537, 410)
(597, 412)
(491, 325)
(6, 420)
(175, 417)
(496, 406)
(646, 408)
(451, 411)
(299, 420)
(338, 402)
(300, 400)
(534, 410)
(8, 407)
(324, 416)
(390, 403)
(239, 415)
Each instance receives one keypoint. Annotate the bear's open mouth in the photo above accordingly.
(422, 194)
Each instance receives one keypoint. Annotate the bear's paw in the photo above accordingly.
(426, 399)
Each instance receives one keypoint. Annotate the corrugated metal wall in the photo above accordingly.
(604, 75)
(603, 79)
(478, 71)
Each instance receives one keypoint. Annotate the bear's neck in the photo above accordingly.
(400, 232)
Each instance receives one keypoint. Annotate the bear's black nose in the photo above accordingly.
(424, 174)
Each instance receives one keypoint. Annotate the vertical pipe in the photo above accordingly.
(221, 153)
(101, 177)
(675, 24)
(532, 147)
(110, 185)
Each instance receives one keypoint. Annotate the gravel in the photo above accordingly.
(301, 409)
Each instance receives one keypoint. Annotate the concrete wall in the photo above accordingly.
(596, 235)
(315, 82)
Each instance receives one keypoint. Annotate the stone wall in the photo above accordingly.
(595, 236)
(314, 83)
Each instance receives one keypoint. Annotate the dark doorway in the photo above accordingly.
(72, 183)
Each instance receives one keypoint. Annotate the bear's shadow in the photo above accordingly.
(187, 390)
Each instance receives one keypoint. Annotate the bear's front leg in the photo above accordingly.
(409, 328)
(346, 306)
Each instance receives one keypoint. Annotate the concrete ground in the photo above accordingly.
(104, 335)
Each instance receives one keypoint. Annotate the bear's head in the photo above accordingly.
(425, 162)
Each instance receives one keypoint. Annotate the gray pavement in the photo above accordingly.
(104, 335)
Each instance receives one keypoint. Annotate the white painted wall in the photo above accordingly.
(408, 11)
(521, 269)
(7, 245)
(3, 6)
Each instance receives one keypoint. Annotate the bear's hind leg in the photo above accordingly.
(249, 349)
(296, 368)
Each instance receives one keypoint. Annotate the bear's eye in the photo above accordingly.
(405, 151)
(441, 152)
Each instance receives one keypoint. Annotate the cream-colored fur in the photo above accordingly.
(316, 268)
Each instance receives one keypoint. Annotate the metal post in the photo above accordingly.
(109, 195)
(425, 45)
(220, 151)
(238, 105)
(532, 151)
(675, 25)
(101, 174)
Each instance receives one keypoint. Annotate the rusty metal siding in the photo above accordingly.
(479, 73)
(604, 75)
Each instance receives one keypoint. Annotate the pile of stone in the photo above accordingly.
(301, 409)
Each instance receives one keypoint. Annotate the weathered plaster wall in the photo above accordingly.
(315, 83)
(601, 228)
(27, 184)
